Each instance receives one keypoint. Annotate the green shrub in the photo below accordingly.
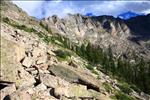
(135, 88)
(16, 25)
(122, 96)
(108, 87)
(45, 26)
(90, 67)
(95, 72)
(6, 20)
(46, 39)
(39, 34)
(23, 27)
(62, 54)
(125, 88)
(42, 25)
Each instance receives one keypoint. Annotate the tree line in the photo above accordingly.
(137, 73)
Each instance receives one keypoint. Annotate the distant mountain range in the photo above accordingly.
(125, 15)
(128, 15)
(89, 14)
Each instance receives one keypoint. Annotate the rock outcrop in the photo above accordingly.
(122, 36)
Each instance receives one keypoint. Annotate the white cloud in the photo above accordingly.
(42, 9)
(29, 6)
(109, 8)
(58, 1)
(146, 11)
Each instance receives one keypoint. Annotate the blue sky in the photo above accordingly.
(41, 9)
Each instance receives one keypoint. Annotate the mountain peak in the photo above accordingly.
(89, 14)
(128, 15)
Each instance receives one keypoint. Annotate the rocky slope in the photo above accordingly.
(34, 69)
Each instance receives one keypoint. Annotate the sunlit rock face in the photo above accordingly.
(123, 36)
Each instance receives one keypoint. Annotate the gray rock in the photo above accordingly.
(40, 87)
(19, 95)
(27, 62)
(41, 60)
(61, 91)
(35, 72)
(49, 80)
(30, 69)
(73, 90)
(54, 82)
(43, 95)
(25, 79)
(71, 74)
(64, 73)
(6, 89)
(51, 53)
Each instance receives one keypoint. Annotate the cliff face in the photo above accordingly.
(36, 65)
(123, 36)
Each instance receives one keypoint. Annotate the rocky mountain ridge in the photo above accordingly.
(122, 36)
(34, 67)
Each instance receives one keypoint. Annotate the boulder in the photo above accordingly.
(35, 72)
(27, 61)
(9, 60)
(40, 87)
(24, 79)
(30, 91)
(30, 69)
(74, 75)
(20, 53)
(53, 59)
(96, 95)
(39, 51)
(77, 90)
(43, 71)
(36, 52)
(43, 95)
(19, 95)
(52, 81)
(71, 91)
(61, 91)
(42, 66)
(145, 96)
(11, 69)
(41, 60)
(6, 88)
(62, 82)
(51, 53)
(64, 73)
(49, 80)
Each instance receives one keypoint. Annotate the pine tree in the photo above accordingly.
(83, 51)
(89, 52)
